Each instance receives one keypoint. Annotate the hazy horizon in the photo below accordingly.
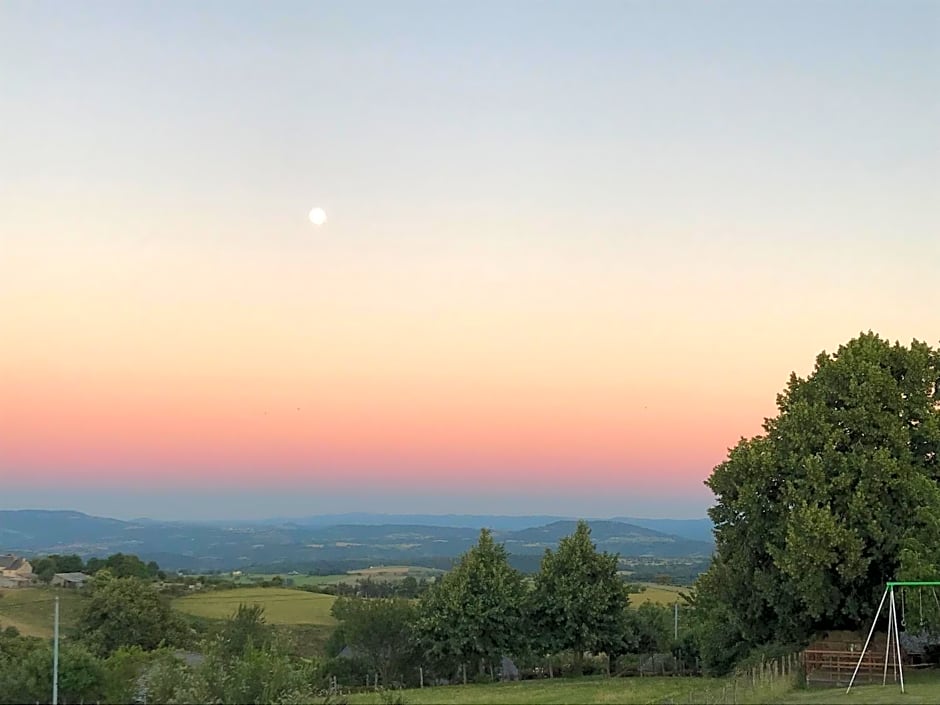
(222, 505)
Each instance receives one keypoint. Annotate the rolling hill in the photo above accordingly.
(216, 546)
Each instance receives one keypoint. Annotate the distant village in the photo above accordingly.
(17, 572)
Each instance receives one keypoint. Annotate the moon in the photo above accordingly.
(318, 216)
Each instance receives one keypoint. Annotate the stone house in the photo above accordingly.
(15, 567)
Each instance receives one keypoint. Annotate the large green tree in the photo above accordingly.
(124, 565)
(476, 613)
(47, 566)
(580, 602)
(126, 612)
(838, 496)
(379, 631)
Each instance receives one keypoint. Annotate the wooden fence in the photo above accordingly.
(836, 667)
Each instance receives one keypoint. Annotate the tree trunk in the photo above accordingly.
(578, 662)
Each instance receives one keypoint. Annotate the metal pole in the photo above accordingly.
(884, 676)
(676, 632)
(897, 643)
(55, 655)
(865, 648)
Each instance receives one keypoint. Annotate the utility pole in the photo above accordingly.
(676, 632)
(55, 655)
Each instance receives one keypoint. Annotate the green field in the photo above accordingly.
(923, 689)
(31, 610)
(296, 580)
(659, 594)
(281, 605)
(391, 573)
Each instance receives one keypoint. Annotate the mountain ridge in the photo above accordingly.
(226, 546)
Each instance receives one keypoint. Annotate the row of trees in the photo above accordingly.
(839, 495)
(241, 663)
(484, 610)
(120, 565)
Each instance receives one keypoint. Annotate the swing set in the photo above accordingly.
(893, 632)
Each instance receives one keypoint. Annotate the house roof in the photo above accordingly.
(73, 577)
(11, 562)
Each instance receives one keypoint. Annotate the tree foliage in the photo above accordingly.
(47, 566)
(379, 631)
(26, 672)
(244, 630)
(838, 496)
(580, 601)
(475, 613)
(126, 612)
(124, 565)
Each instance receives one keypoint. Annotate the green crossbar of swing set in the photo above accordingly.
(913, 583)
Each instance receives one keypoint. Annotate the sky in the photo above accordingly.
(574, 249)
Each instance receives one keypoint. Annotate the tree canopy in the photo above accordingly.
(580, 601)
(379, 632)
(839, 495)
(475, 613)
(126, 612)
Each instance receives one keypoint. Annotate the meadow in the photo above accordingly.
(391, 573)
(31, 610)
(658, 594)
(282, 606)
(923, 688)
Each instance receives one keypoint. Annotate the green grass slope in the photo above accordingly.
(31, 610)
(923, 688)
(281, 605)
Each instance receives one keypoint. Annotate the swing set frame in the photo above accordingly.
(892, 629)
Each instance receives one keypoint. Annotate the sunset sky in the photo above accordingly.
(574, 249)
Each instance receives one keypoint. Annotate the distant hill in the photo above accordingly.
(613, 536)
(218, 546)
(696, 529)
(468, 521)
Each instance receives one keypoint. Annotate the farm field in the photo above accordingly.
(379, 573)
(658, 594)
(281, 606)
(923, 689)
(31, 610)
(295, 580)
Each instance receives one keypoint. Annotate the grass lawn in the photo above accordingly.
(31, 610)
(281, 606)
(922, 689)
(556, 692)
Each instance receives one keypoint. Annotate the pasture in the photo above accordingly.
(281, 606)
(31, 610)
(923, 688)
(391, 574)
(658, 594)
